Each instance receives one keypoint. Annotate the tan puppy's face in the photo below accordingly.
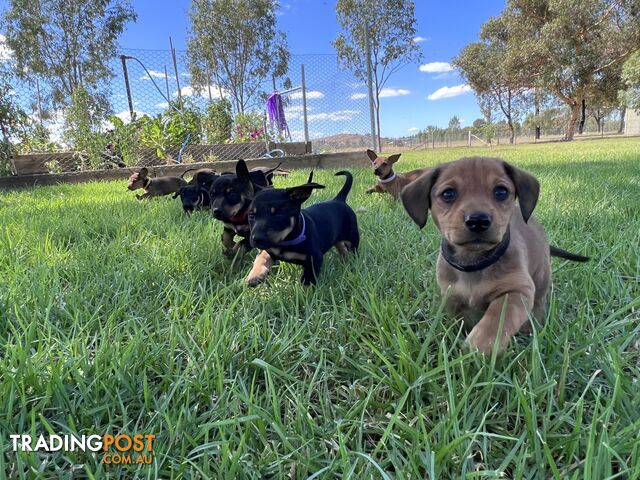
(137, 179)
(471, 200)
(382, 165)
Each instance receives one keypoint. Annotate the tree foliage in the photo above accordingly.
(391, 26)
(66, 42)
(497, 87)
(573, 49)
(235, 44)
(630, 93)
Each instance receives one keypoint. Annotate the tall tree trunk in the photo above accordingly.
(512, 131)
(379, 140)
(623, 112)
(537, 115)
(573, 119)
(583, 116)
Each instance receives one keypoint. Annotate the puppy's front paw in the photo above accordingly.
(256, 276)
(484, 340)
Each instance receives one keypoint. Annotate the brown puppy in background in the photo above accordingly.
(154, 187)
(388, 180)
(494, 257)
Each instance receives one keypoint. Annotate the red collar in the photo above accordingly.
(240, 218)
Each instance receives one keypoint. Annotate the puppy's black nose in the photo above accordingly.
(257, 239)
(477, 221)
(216, 211)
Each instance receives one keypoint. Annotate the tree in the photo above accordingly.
(569, 48)
(66, 42)
(454, 124)
(391, 28)
(630, 93)
(237, 42)
(481, 65)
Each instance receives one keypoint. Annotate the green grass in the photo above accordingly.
(122, 316)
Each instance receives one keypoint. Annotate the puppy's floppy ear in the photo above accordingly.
(527, 189)
(372, 155)
(143, 172)
(393, 158)
(416, 197)
(302, 192)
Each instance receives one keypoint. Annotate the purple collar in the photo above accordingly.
(299, 239)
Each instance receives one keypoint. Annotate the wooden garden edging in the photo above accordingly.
(315, 161)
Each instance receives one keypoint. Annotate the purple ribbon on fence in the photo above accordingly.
(275, 110)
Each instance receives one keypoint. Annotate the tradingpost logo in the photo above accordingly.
(117, 449)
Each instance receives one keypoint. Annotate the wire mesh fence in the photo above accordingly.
(319, 104)
(467, 137)
(158, 116)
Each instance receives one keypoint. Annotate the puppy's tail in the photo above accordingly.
(346, 188)
(558, 252)
(187, 170)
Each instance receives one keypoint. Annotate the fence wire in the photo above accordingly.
(335, 116)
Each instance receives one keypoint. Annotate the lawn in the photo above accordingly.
(121, 316)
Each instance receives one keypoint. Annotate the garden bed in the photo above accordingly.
(324, 160)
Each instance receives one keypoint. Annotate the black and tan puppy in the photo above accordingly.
(230, 199)
(154, 187)
(494, 257)
(194, 197)
(285, 232)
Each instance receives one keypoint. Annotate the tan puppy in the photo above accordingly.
(154, 187)
(494, 257)
(388, 180)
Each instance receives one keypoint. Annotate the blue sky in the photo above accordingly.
(310, 26)
(417, 96)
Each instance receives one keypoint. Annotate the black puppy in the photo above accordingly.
(230, 199)
(286, 232)
(193, 197)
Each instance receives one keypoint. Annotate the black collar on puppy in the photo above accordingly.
(486, 260)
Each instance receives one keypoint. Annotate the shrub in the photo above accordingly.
(217, 121)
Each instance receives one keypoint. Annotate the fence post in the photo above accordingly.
(374, 140)
(123, 59)
(39, 103)
(304, 109)
(166, 81)
(175, 69)
(469, 143)
(433, 140)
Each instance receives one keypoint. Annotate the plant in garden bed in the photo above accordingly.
(217, 121)
(170, 129)
(249, 128)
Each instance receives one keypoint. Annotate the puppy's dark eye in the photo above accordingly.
(500, 193)
(449, 195)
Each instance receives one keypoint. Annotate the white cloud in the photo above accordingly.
(162, 105)
(336, 116)
(189, 91)
(5, 52)
(311, 94)
(448, 92)
(436, 67)
(393, 92)
(358, 96)
(156, 74)
(414, 129)
(419, 39)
